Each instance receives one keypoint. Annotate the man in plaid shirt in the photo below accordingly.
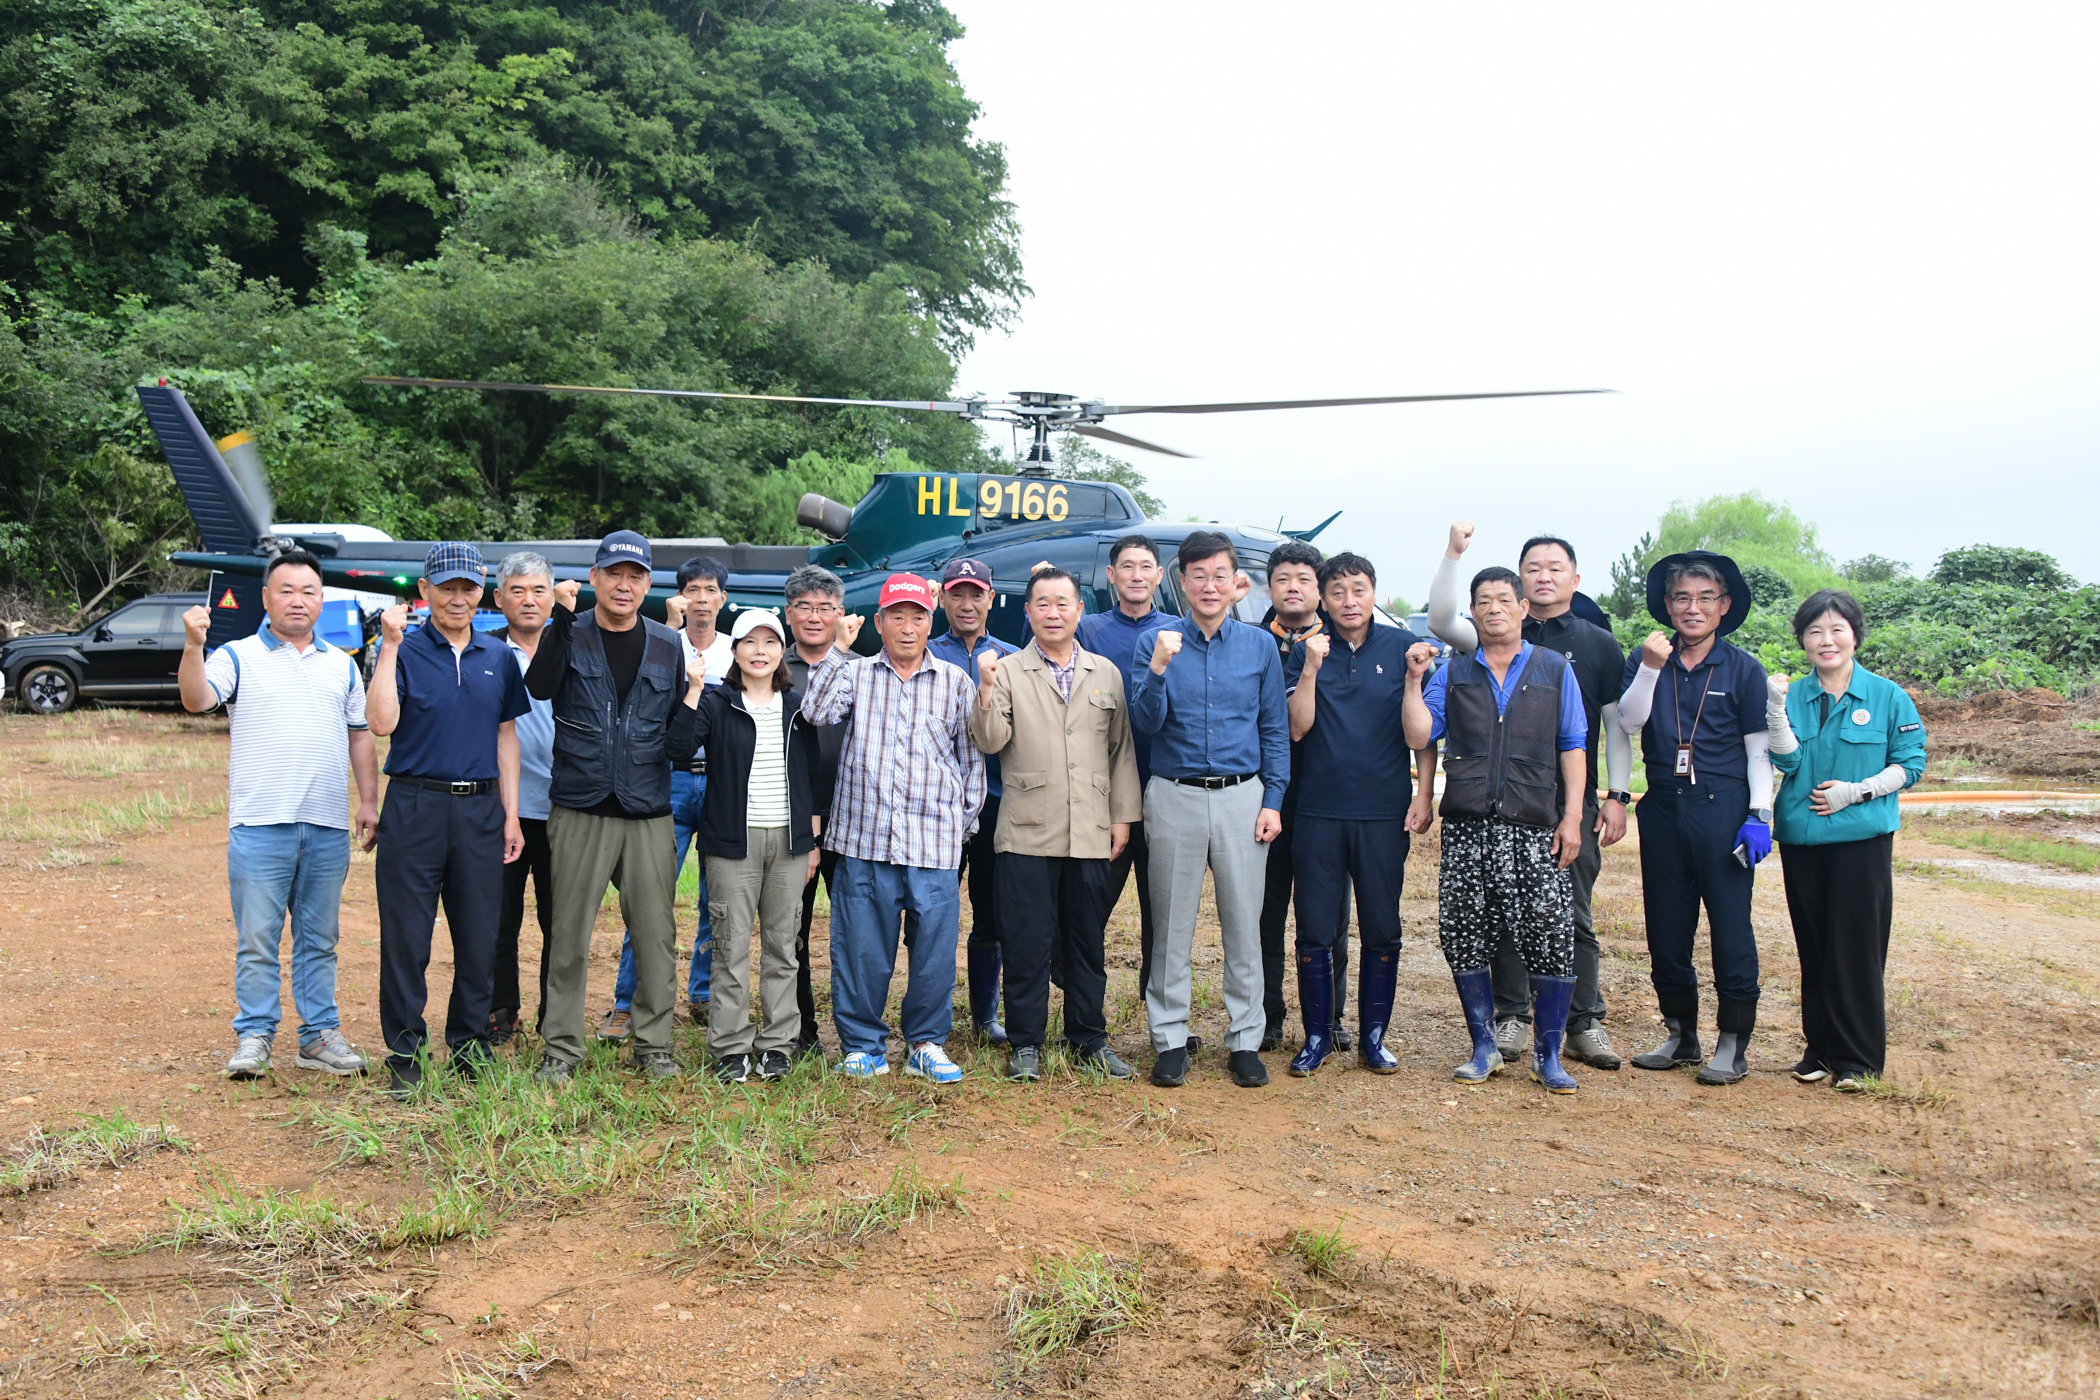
(910, 787)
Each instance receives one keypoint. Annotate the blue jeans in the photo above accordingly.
(686, 791)
(868, 900)
(295, 868)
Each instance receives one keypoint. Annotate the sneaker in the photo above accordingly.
(617, 1025)
(696, 1012)
(1271, 1039)
(556, 1072)
(992, 1032)
(1343, 1041)
(774, 1064)
(1810, 1070)
(1247, 1069)
(733, 1069)
(330, 1053)
(1109, 1063)
(931, 1062)
(251, 1058)
(861, 1065)
(1513, 1039)
(1592, 1047)
(1025, 1064)
(403, 1078)
(1171, 1069)
(1852, 1081)
(503, 1028)
(1194, 1045)
(657, 1064)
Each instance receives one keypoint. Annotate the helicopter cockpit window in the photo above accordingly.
(1008, 501)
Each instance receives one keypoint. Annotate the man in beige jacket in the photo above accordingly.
(1057, 718)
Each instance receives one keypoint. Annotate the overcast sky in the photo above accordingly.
(1848, 256)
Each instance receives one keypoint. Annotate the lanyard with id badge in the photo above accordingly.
(1684, 767)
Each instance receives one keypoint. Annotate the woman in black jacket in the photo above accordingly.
(758, 833)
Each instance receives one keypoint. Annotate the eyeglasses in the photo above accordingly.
(1704, 600)
(813, 609)
(1200, 580)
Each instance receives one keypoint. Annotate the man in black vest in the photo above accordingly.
(613, 677)
(1513, 772)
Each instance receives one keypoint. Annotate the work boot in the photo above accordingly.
(1316, 1001)
(1376, 977)
(1680, 1009)
(1476, 995)
(1550, 997)
(1731, 1062)
(984, 997)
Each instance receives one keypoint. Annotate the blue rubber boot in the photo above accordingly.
(984, 996)
(1476, 993)
(1376, 976)
(1550, 997)
(1316, 1005)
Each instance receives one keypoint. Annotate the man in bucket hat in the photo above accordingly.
(1698, 704)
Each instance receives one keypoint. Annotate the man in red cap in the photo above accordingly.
(910, 787)
(967, 599)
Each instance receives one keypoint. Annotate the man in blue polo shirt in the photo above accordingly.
(1706, 820)
(1355, 807)
(966, 601)
(1514, 765)
(450, 697)
(1133, 572)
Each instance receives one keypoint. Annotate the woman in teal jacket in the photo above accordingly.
(1845, 746)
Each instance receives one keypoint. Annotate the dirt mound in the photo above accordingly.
(2023, 733)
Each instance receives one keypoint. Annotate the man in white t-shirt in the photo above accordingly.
(296, 708)
(703, 591)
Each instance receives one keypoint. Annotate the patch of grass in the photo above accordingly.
(46, 1159)
(2009, 845)
(29, 818)
(257, 1339)
(277, 1229)
(112, 758)
(909, 1196)
(1076, 1304)
(1926, 1095)
(1325, 1253)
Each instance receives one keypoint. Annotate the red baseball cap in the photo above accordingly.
(905, 588)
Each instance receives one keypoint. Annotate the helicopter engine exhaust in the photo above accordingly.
(824, 515)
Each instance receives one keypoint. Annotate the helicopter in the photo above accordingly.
(908, 521)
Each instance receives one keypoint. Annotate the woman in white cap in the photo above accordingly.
(758, 831)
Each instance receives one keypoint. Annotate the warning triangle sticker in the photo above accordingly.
(228, 600)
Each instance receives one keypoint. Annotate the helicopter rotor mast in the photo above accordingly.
(1039, 411)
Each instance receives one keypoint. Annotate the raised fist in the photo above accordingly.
(1461, 536)
(1421, 658)
(1775, 688)
(196, 623)
(393, 623)
(565, 593)
(1655, 652)
(674, 611)
(849, 630)
(1316, 649)
(1166, 646)
(987, 670)
(696, 672)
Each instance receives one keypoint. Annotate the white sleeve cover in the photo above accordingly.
(1444, 620)
(1888, 780)
(1758, 749)
(1618, 750)
(1777, 725)
(1638, 699)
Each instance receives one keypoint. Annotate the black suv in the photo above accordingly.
(132, 654)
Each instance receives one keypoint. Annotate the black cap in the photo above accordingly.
(1732, 577)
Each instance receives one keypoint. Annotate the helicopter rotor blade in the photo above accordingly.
(915, 405)
(1105, 435)
(1332, 403)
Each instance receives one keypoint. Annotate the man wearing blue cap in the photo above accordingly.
(614, 677)
(1698, 704)
(449, 697)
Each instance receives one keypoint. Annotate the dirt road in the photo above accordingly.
(1346, 1234)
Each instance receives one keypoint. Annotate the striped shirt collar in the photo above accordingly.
(271, 641)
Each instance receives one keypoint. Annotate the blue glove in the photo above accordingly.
(1753, 842)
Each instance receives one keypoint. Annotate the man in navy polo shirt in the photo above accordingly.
(1706, 821)
(966, 601)
(1355, 807)
(449, 696)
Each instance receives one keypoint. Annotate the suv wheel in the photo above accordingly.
(48, 690)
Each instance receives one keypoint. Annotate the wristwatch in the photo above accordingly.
(1620, 796)
(1763, 814)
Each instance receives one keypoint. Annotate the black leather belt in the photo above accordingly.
(1217, 784)
(700, 766)
(458, 787)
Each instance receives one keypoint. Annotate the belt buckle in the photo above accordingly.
(1214, 783)
(461, 787)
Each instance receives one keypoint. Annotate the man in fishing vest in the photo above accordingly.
(1512, 718)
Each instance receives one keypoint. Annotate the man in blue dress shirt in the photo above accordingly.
(1212, 700)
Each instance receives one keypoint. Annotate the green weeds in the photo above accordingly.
(46, 1159)
(1073, 1305)
(1996, 841)
(1325, 1253)
(280, 1229)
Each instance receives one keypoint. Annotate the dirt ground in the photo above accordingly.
(1646, 1237)
(2019, 734)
